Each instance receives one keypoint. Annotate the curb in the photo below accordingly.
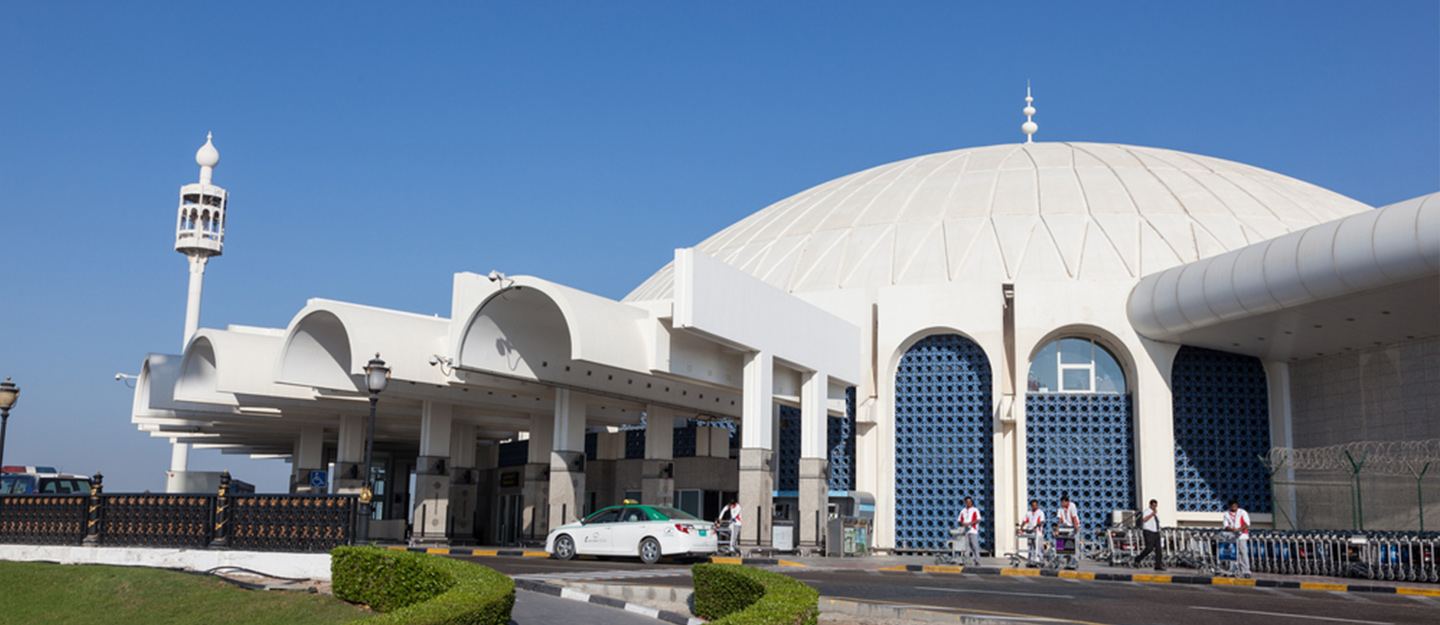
(1202, 580)
(455, 551)
(556, 590)
(756, 561)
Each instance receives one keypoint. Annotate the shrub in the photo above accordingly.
(421, 589)
(731, 594)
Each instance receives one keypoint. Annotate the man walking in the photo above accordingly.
(969, 531)
(1150, 526)
(1068, 516)
(1237, 521)
(1034, 526)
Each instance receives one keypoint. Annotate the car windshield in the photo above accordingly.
(14, 485)
(674, 513)
(604, 516)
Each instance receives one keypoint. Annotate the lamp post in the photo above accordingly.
(376, 376)
(8, 393)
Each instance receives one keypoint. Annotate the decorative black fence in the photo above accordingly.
(300, 523)
(43, 519)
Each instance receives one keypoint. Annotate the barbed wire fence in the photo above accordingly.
(1375, 485)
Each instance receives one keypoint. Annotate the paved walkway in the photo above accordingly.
(533, 608)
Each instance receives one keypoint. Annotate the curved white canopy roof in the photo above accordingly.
(1368, 278)
(1014, 212)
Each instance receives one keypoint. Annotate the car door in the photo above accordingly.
(633, 525)
(595, 536)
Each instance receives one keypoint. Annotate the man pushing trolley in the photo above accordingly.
(1237, 521)
(968, 534)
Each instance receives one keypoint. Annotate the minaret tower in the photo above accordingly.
(200, 229)
(1029, 127)
(199, 234)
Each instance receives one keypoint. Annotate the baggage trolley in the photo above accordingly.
(723, 545)
(1028, 556)
(958, 543)
(1065, 553)
(1124, 546)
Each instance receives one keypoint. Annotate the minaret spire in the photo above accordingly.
(199, 234)
(1029, 127)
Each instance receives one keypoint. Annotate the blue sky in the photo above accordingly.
(372, 150)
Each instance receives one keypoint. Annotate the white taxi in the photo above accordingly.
(646, 532)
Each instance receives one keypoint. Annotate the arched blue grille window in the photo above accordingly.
(944, 441)
(1079, 432)
(1222, 427)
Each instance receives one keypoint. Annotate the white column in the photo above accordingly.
(757, 444)
(431, 503)
(192, 300)
(1155, 428)
(657, 473)
(814, 465)
(463, 481)
(1282, 434)
(349, 453)
(309, 449)
(536, 492)
(567, 459)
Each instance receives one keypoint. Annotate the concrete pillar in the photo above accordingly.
(431, 505)
(567, 459)
(308, 456)
(463, 482)
(535, 519)
(1155, 429)
(349, 453)
(757, 448)
(1282, 434)
(657, 474)
(814, 466)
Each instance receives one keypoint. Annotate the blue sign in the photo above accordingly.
(319, 479)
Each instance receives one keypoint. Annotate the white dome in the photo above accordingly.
(1007, 213)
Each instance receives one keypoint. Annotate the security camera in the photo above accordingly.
(434, 360)
(496, 276)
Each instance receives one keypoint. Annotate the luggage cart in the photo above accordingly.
(1124, 546)
(958, 543)
(1065, 553)
(723, 542)
(1028, 556)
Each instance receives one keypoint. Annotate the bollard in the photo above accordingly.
(221, 538)
(92, 521)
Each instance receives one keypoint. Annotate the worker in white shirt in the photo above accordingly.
(1067, 515)
(732, 511)
(1237, 521)
(1150, 529)
(969, 531)
(1034, 526)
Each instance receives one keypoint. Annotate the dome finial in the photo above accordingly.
(207, 157)
(1029, 127)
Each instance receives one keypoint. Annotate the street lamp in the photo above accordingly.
(8, 393)
(376, 376)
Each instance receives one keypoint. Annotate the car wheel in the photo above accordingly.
(564, 547)
(649, 551)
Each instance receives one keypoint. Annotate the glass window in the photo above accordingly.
(1076, 380)
(1075, 365)
(674, 514)
(607, 515)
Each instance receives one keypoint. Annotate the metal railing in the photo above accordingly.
(1395, 556)
(300, 523)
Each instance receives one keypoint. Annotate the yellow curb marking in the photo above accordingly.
(440, 550)
(899, 567)
(727, 560)
(1158, 579)
(484, 552)
(1226, 581)
(942, 569)
(1077, 575)
(1021, 572)
(789, 563)
(1423, 592)
(394, 548)
(1319, 586)
(535, 554)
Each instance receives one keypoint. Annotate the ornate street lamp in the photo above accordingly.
(8, 393)
(376, 376)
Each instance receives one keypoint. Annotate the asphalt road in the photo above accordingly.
(1013, 598)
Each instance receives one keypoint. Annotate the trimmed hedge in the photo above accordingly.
(421, 589)
(732, 594)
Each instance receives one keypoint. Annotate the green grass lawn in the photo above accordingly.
(34, 593)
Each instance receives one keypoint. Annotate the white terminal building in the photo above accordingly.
(1010, 322)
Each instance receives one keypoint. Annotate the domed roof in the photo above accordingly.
(1018, 212)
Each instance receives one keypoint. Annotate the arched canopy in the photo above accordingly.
(532, 328)
(221, 366)
(328, 343)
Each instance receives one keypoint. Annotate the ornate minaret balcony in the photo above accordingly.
(200, 224)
